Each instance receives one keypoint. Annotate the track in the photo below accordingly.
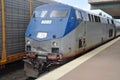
(15, 71)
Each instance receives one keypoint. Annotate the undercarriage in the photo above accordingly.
(37, 64)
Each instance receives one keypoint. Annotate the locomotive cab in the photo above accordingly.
(44, 44)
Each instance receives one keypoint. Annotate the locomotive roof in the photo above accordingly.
(64, 6)
(53, 6)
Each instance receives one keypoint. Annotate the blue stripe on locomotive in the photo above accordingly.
(71, 24)
(59, 26)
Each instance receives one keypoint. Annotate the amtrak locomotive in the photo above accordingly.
(58, 32)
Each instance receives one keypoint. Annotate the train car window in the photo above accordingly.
(78, 14)
(92, 18)
(43, 14)
(112, 21)
(99, 19)
(110, 32)
(59, 13)
(96, 19)
(89, 17)
(40, 14)
(108, 21)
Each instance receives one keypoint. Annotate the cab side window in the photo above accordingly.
(78, 14)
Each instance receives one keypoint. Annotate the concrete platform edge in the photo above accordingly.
(61, 71)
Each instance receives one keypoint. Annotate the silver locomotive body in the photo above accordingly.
(83, 31)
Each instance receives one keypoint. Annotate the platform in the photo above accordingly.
(102, 63)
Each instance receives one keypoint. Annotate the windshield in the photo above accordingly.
(43, 14)
(53, 14)
(59, 13)
(38, 14)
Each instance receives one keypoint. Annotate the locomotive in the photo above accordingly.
(58, 32)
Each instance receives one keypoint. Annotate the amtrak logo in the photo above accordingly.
(46, 21)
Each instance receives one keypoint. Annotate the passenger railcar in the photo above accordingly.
(58, 32)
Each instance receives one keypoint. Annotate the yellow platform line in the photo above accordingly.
(61, 71)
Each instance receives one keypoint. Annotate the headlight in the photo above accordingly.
(54, 44)
(28, 42)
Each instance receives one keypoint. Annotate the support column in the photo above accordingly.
(4, 55)
(30, 1)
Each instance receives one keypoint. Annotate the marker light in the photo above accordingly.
(30, 35)
(54, 36)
